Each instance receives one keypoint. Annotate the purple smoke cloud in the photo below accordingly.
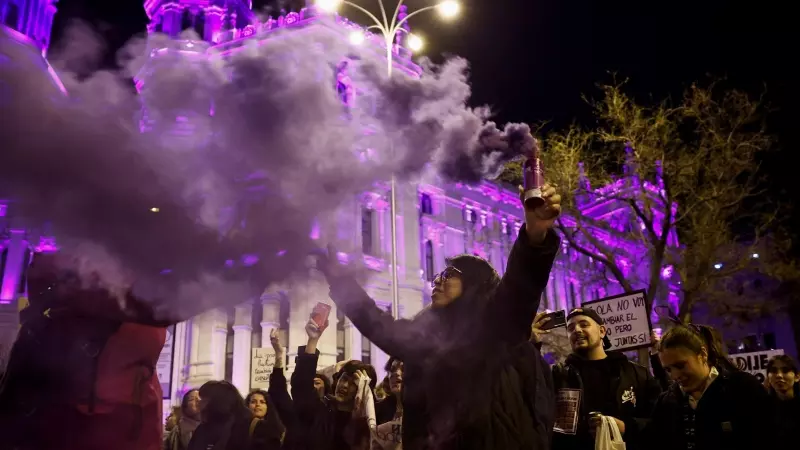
(278, 152)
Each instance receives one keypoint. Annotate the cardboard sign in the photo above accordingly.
(164, 364)
(754, 362)
(261, 367)
(626, 319)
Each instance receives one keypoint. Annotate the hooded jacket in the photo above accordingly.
(472, 380)
(635, 393)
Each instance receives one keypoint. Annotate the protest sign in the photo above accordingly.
(261, 367)
(626, 319)
(164, 364)
(568, 405)
(754, 362)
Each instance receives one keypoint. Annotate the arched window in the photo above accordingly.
(429, 266)
(11, 18)
(426, 204)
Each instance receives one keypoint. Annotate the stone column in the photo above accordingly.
(242, 340)
(352, 341)
(14, 266)
(271, 315)
(378, 360)
(179, 366)
(200, 368)
(219, 344)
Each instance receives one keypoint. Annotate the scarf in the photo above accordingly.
(186, 427)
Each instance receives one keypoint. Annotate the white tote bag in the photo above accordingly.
(608, 436)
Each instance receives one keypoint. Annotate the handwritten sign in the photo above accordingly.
(626, 319)
(754, 362)
(164, 364)
(388, 436)
(261, 367)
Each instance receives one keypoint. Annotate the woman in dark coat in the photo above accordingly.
(711, 404)
(472, 379)
(229, 425)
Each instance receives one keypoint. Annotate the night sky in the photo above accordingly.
(533, 59)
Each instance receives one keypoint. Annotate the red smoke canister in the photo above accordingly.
(533, 179)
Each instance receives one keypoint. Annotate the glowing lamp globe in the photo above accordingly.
(415, 43)
(357, 37)
(329, 6)
(449, 8)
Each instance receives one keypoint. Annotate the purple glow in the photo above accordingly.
(666, 272)
(281, 253)
(315, 232)
(166, 272)
(47, 244)
(250, 260)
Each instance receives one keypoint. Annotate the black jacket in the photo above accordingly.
(236, 436)
(787, 415)
(517, 412)
(279, 393)
(634, 410)
(734, 413)
(321, 425)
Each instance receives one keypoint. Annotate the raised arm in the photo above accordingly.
(517, 298)
(306, 401)
(278, 387)
(397, 338)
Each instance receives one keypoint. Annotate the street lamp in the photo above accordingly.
(389, 28)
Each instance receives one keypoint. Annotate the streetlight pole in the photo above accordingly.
(389, 28)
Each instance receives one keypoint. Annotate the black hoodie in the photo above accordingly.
(506, 400)
(614, 387)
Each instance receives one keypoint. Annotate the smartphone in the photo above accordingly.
(320, 314)
(557, 319)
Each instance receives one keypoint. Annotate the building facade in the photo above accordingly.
(434, 221)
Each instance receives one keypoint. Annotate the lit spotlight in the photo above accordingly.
(357, 37)
(755, 255)
(329, 6)
(449, 8)
(718, 266)
(154, 209)
(415, 43)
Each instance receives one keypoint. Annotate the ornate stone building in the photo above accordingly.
(434, 220)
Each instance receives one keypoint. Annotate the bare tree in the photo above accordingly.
(670, 184)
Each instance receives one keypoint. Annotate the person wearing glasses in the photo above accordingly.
(472, 379)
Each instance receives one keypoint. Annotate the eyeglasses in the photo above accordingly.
(446, 274)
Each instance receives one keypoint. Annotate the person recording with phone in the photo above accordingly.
(479, 324)
(599, 382)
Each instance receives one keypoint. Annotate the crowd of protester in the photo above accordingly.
(465, 373)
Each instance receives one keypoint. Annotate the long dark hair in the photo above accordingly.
(696, 337)
(223, 403)
(272, 419)
(185, 403)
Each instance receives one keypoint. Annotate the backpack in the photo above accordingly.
(54, 358)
